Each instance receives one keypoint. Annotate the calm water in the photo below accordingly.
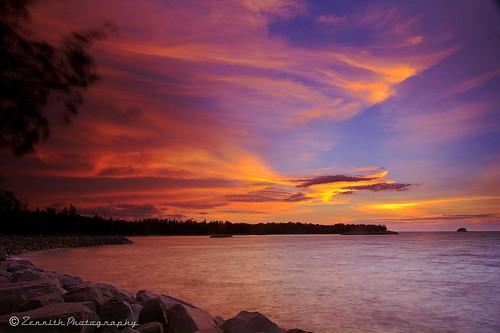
(412, 282)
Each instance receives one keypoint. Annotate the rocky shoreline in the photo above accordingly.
(35, 300)
(11, 245)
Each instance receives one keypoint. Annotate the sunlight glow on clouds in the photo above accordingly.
(273, 110)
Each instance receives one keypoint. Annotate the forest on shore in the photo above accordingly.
(18, 219)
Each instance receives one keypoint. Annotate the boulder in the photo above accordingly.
(251, 322)
(154, 309)
(176, 316)
(219, 321)
(39, 301)
(69, 313)
(152, 327)
(12, 265)
(297, 330)
(136, 311)
(26, 275)
(144, 295)
(67, 281)
(90, 304)
(187, 319)
(14, 296)
(99, 293)
(119, 330)
(211, 330)
(5, 277)
(116, 311)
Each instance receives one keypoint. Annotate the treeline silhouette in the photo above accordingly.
(17, 219)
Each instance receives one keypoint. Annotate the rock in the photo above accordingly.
(13, 296)
(5, 277)
(90, 304)
(219, 321)
(63, 311)
(176, 316)
(187, 319)
(119, 330)
(39, 301)
(136, 311)
(12, 265)
(116, 311)
(461, 230)
(144, 295)
(26, 275)
(99, 293)
(211, 330)
(67, 281)
(154, 309)
(251, 322)
(297, 330)
(152, 327)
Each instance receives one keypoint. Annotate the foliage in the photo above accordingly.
(33, 73)
(68, 221)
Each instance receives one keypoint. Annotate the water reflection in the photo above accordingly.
(412, 282)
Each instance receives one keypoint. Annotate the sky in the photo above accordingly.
(281, 110)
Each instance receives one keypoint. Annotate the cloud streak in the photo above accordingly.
(271, 109)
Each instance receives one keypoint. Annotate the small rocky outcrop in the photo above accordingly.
(251, 322)
(461, 230)
(44, 296)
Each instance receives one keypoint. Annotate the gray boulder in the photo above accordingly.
(26, 275)
(5, 277)
(16, 296)
(67, 281)
(69, 313)
(116, 311)
(119, 330)
(136, 311)
(12, 265)
(187, 319)
(99, 293)
(39, 301)
(176, 316)
(219, 321)
(144, 295)
(251, 322)
(152, 327)
(154, 310)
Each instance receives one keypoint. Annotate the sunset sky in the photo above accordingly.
(256, 111)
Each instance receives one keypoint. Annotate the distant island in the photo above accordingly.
(461, 230)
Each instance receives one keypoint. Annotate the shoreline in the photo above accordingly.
(13, 245)
(75, 305)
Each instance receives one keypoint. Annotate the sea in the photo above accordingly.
(412, 282)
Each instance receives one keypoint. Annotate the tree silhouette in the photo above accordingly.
(34, 72)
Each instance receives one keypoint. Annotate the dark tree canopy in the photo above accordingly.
(33, 72)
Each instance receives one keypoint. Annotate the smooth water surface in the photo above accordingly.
(412, 282)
